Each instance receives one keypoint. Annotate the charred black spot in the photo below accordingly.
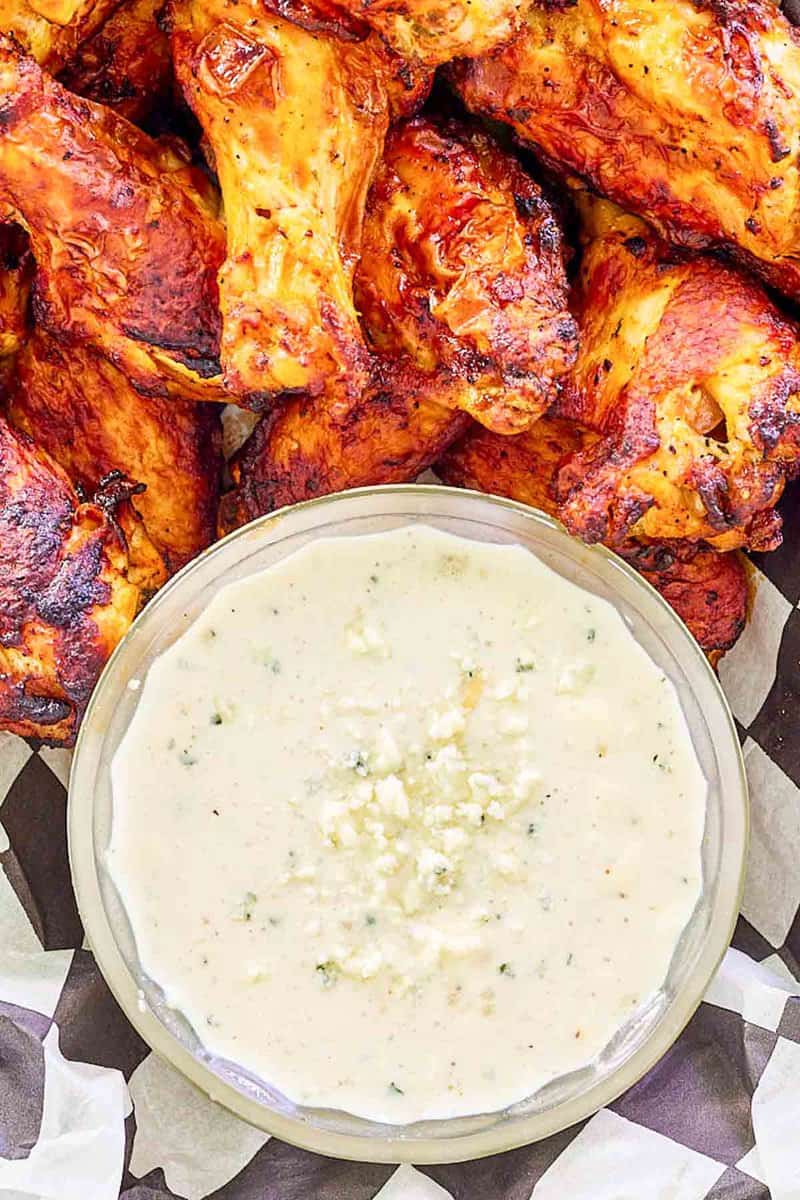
(779, 147)
(526, 206)
(636, 246)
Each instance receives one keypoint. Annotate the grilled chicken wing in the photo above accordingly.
(296, 122)
(462, 268)
(707, 589)
(126, 64)
(84, 413)
(435, 31)
(52, 30)
(305, 448)
(693, 377)
(65, 598)
(127, 251)
(684, 111)
(470, 319)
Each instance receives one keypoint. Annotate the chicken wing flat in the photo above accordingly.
(462, 268)
(52, 30)
(435, 31)
(684, 111)
(65, 598)
(85, 414)
(295, 120)
(708, 590)
(126, 64)
(127, 251)
(693, 377)
(311, 447)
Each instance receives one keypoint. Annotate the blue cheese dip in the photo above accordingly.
(407, 825)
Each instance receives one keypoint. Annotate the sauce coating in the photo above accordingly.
(407, 825)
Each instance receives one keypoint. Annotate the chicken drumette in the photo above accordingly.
(473, 321)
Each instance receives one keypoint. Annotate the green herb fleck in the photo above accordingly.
(328, 971)
(216, 719)
(506, 969)
(370, 919)
(569, 959)
(591, 634)
(244, 910)
(187, 758)
(532, 828)
(523, 666)
(662, 766)
(394, 1088)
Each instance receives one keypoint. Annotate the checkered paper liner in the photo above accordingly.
(87, 1112)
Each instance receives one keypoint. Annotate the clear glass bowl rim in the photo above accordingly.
(520, 1130)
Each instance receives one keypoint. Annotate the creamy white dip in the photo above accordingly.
(407, 825)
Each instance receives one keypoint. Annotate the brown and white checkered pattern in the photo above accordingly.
(88, 1113)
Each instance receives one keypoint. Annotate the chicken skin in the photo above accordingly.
(65, 597)
(127, 250)
(683, 111)
(295, 120)
(85, 414)
(16, 273)
(52, 30)
(692, 376)
(435, 31)
(310, 447)
(126, 64)
(708, 590)
(462, 268)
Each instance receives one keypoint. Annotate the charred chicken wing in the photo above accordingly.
(295, 121)
(707, 589)
(462, 268)
(127, 251)
(398, 426)
(470, 319)
(684, 111)
(65, 598)
(84, 413)
(693, 378)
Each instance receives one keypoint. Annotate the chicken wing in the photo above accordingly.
(84, 413)
(295, 121)
(127, 251)
(708, 590)
(462, 268)
(435, 31)
(65, 598)
(684, 111)
(693, 377)
(126, 64)
(311, 447)
(52, 30)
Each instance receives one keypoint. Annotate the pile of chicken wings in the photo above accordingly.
(549, 248)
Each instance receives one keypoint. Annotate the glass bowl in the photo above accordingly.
(652, 1028)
